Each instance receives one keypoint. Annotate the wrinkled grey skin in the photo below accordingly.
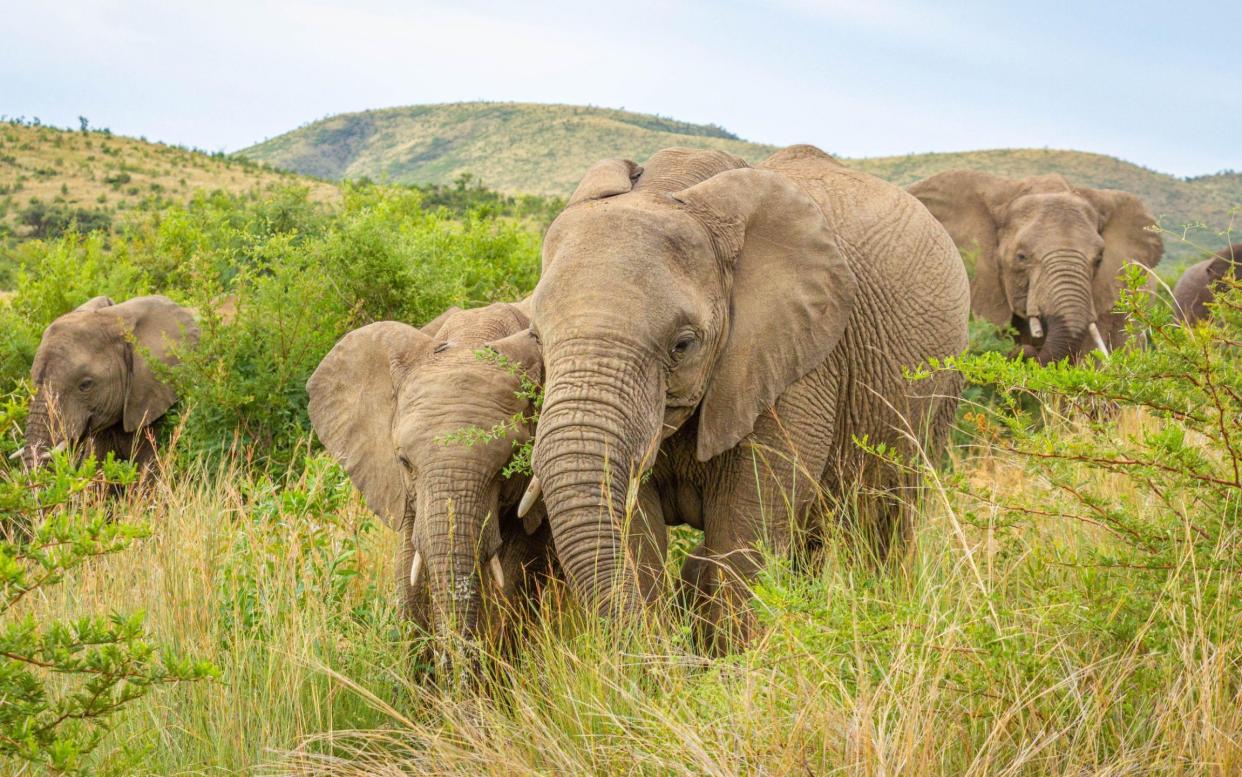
(93, 388)
(738, 320)
(391, 402)
(1197, 287)
(1045, 249)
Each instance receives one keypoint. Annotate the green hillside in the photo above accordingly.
(512, 147)
(544, 149)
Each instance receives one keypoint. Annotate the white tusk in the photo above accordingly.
(17, 453)
(1037, 329)
(530, 497)
(416, 566)
(498, 574)
(1095, 335)
(60, 446)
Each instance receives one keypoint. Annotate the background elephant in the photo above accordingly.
(1198, 284)
(1048, 254)
(752, 321)
(391, 402)
(93, 386)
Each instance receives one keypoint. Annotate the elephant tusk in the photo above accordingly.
(1095, 335)
(1037, 329)
(17, 453)
(530, 497)
(498, 574)
(415, 568)
(60, 446)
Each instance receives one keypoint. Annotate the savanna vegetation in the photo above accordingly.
(544, 149)
(1071, 604)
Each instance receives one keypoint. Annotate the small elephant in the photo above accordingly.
(1049, 254)
(93, 386)
(732, 330)
(393, 403)
(1197, 287)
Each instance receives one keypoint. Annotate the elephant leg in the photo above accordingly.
(756, 503)
(647, 538)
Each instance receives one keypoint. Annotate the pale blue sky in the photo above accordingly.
(1157, 84)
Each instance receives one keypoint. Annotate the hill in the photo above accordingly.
(544, 149)
(512, 147)
(95, 176)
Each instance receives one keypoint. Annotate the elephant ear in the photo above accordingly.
(793, 291)
(606, 178)
(157, 325)
(1129, 237)
(353, 404)
(95, 303)
(521, 350)
(966, 203)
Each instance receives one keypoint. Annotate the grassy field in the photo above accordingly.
(988, 655)
(544, 149)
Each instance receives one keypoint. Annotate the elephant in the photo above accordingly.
(94, 387)
(725, 332)
(395, 404)
(1048, 256)
(1197, 287)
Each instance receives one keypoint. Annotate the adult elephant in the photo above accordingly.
(754, 321)
(94, 384)
(1197, 287)
(1048, 254)
(402, 408)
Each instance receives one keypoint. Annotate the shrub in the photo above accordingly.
(43, 220)
(61, 681)
(301, 277)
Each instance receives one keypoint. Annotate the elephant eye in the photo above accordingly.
(1021, 258)
(1099, 259)
(686, 342)
(86, 384)
(405, 460)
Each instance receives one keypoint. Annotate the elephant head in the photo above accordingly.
(689, 292)
(91, 372)
(1048, 254)
(1197, 287)
(392, 402)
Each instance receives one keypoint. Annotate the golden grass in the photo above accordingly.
(981, 657)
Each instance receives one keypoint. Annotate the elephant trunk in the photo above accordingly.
(591, 441)
(38, 432)
(1065, 292)
(452, 540)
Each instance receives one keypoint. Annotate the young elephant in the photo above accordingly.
(1198, 285)
(93, 386)
(1049, 254)
(391, 402)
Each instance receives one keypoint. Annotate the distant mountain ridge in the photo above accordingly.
(544, 149)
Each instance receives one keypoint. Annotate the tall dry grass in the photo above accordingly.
(988, 654)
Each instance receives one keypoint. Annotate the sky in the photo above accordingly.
(1158, 84)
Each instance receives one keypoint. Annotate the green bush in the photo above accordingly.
(1146, 445)
(50, 220)
(61, 681)
(300, 275)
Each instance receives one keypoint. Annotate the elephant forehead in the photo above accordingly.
(1060, 211)
(634, 230)
(75, 339)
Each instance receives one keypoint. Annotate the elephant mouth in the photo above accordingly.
(1030, 329)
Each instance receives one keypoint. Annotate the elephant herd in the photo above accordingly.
(712, 339)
